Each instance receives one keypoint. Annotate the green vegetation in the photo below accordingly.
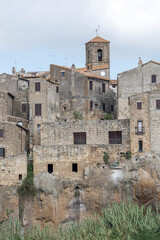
(108, 116)
(106, 158)
(27, 187)
(128, 155)
(77, 115)
(117, 222)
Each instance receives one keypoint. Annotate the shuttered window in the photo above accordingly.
(157, 104)
(38, 109)
(37, 87)
(79, 138)
(115, 137)
(153, 77)
(24, 107)
(57, 89)
(2, 152)
(1, 133)
(139, 105)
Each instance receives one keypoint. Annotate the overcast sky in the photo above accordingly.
(36, 33)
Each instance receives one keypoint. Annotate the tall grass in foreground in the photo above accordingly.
(117, 222)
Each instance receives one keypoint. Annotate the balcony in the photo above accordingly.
(139, 131)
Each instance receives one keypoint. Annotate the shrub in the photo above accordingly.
(27, 187)
(128, 155)
(108, 116)
(106, 158)
(77, 115)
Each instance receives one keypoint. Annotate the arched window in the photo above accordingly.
(99, 55)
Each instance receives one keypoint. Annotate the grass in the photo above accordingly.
(117, 222)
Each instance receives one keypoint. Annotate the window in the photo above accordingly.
(140, 142)
(38, 128)
(153, 78)
(104, 107)
(128, 101)
(140, 126)
(50, 168)
(37, 87)
(103, 87)
(2, 152)
(63, 74)
(57, 89)
(139, 105)
(99, 55)
(74, 167)
(1, 133)
(20, 176)
(112, 108)
(38, 109)
(90, 85)
(115, 137)
(24, 107)
(79, 138)
(157, 104)
(91, 105)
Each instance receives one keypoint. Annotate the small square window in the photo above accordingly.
(74, 167)
(139, 105)
(62, 74)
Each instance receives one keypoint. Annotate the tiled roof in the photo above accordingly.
(61, 66)
(151, 61)
(93, 76)
(113, 81)
(98, 39)
(93, 68)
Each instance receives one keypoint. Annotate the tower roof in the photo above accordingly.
(98, 39)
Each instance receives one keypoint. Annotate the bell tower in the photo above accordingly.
(98, 53)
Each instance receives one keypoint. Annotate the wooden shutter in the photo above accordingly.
(115, 137)
(24, 107)
(80, 138)
(139, 105)
(37, 109)
(37, 87)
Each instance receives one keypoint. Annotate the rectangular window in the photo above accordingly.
(104, 107)
(24, 107)
(140, 145)
(79, 138)
(115, 137)
(2, 152)
(20, 176)
(1, 133)
(63, 74)
(57, 89)
(112, 108)
(153, 78)
(91, 105)
(38, 109)
(38, 128)
(50, 168)
(74, 167)
(37, 87)
(140, 127)
(103, 87)
(139, 105)
(157, 104)
(90, 85)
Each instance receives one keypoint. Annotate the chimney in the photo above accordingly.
(73, 68)
(13, 70)
(140, 62)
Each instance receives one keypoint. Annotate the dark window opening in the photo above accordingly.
(104, 107)
(153, 78)
(37, 87)
(37, 109)
(64, 108)
(57, 89)
(2, 152)
(113, 86)
(99, 55)
(115, 137)
(139, 105)
(90, 85)
(24, 107)
(103, 87)
(62, 74)
(1, 133)
(74, 167)
(88, 56)
(112, 108)
(50, 168)
(79, 138)
(157, 104)
(128, 101)
(140, 146)
(91, 105)
(20, 177)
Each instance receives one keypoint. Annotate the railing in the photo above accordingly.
(139, 131)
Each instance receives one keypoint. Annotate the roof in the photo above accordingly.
(94, 76)
(49, 80)
(98, 39)
(151, 61)
(113, 81)
(61, 66)
(94, 68)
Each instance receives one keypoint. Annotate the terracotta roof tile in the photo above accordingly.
(113, 81)
(98, 39)
(93, 68)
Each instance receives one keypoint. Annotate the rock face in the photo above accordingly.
(60, 201)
